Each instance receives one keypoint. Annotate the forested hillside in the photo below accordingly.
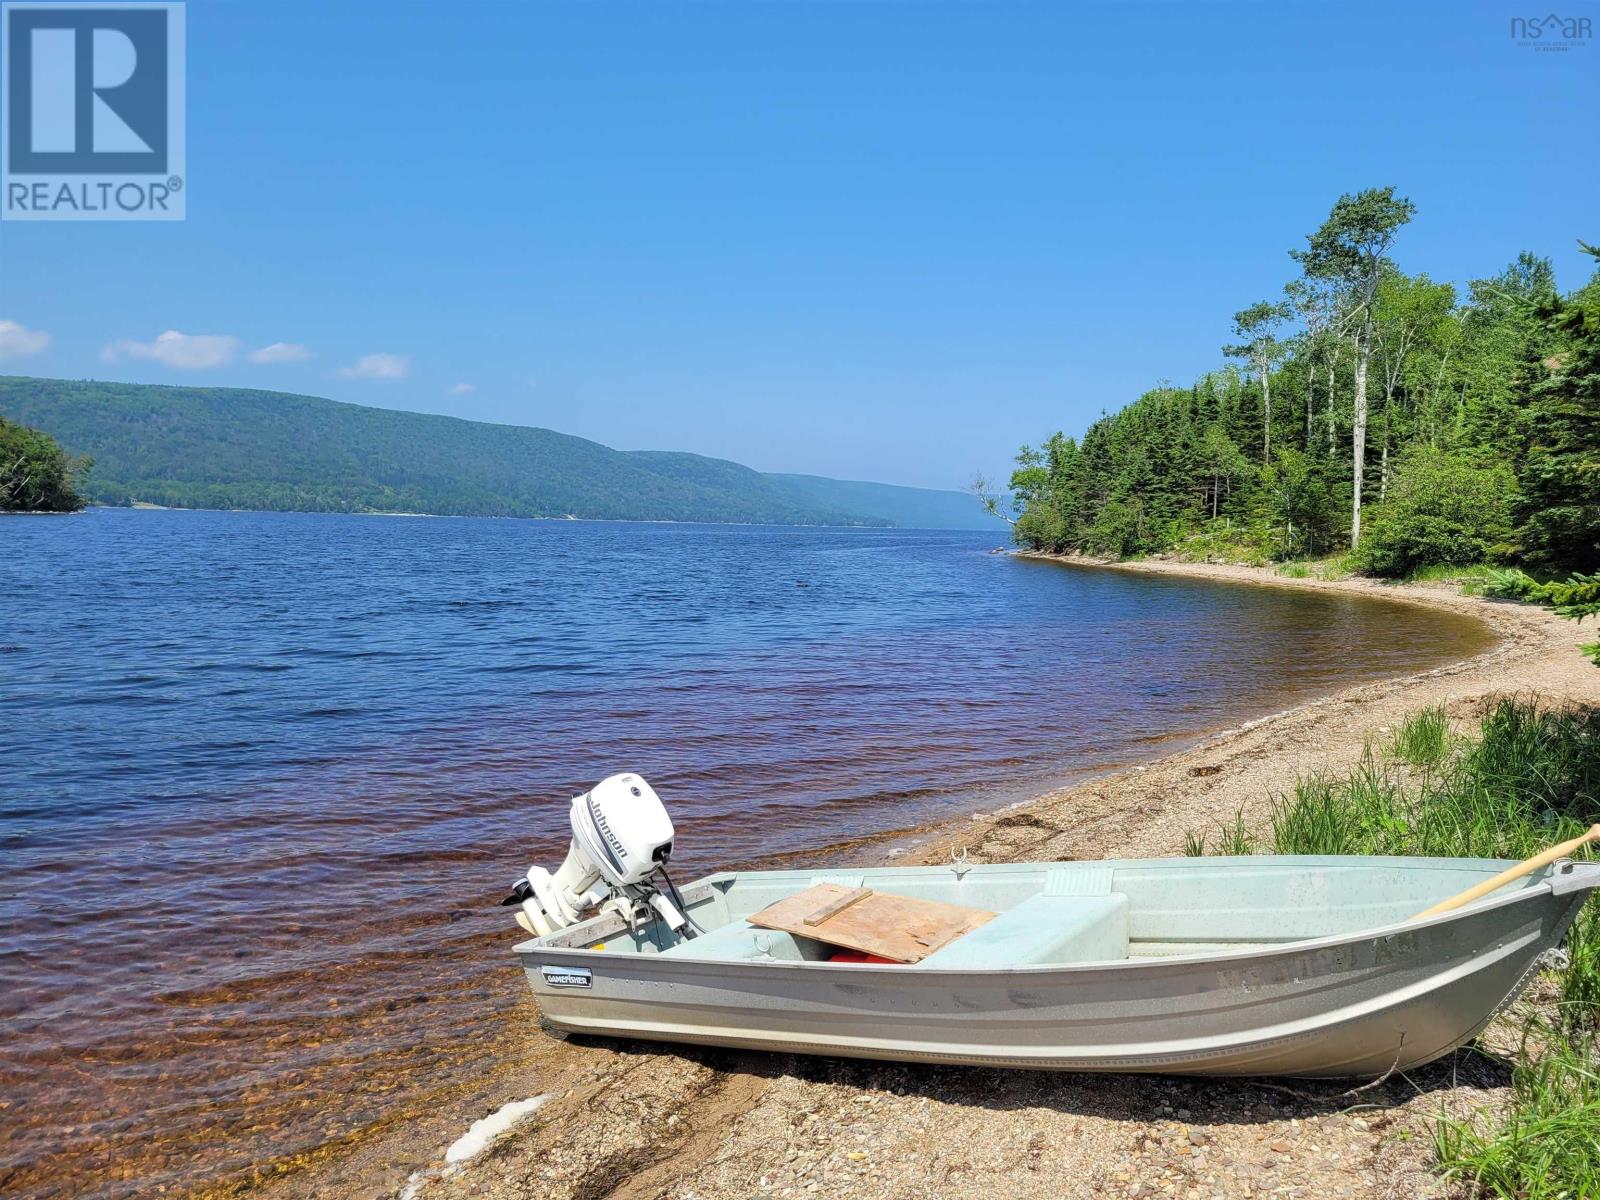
(1418, 422)
(235, 448)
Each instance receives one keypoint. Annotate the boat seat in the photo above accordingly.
(740, 940)
(1043, 929)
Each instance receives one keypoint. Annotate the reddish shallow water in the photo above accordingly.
(266, 775)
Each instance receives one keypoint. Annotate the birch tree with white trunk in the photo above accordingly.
(1350, 250)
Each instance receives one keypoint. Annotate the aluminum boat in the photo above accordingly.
(1310, 966)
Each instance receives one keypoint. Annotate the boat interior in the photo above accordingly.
(1071, 913)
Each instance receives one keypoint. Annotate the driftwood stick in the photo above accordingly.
(1543, 859)
(1347, 1094)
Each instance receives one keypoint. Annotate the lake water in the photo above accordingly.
(264, 777)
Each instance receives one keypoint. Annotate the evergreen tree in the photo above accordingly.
(1560, 477)
(1262, 349)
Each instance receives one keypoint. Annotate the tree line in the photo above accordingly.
(1363, 410)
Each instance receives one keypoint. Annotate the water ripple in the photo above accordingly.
(264, 775)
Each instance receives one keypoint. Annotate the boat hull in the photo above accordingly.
(1390, 997)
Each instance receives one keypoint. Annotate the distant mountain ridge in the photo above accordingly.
(905, 507)
(195, 447)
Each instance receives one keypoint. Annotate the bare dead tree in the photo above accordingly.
(987, 496)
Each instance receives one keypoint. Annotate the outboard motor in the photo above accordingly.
(621, 838)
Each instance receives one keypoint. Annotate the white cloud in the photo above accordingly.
(185, 351)
(378, 366)
(463, 389)
(18, 341)
(280, 352)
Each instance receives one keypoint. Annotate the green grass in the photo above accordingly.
(1335, 569)
(1294, 570)
(1423, 740)
(1545, 1144)
(1364, 812)
(1531, 777)
(1479, 573)
(1235, 838)
(1580, 983)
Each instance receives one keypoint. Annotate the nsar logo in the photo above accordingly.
(1552, 32)
(92, 112)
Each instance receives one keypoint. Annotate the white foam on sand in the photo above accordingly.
(484, 1130)
(472, 1143)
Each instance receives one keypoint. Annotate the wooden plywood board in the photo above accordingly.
(901, 928)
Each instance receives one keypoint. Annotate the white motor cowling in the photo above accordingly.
(621, 836)
(623, 828)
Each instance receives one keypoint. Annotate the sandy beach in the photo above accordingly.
(642, 1121)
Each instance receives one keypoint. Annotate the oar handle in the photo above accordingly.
(1542, 859)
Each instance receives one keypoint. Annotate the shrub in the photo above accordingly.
(1118, 530)
(1042, 526)
(1303, 502)
(1227, 541)
(1440, 509)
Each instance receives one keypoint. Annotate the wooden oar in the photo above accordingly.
(1542, 859)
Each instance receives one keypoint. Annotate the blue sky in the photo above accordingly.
(872, 240)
